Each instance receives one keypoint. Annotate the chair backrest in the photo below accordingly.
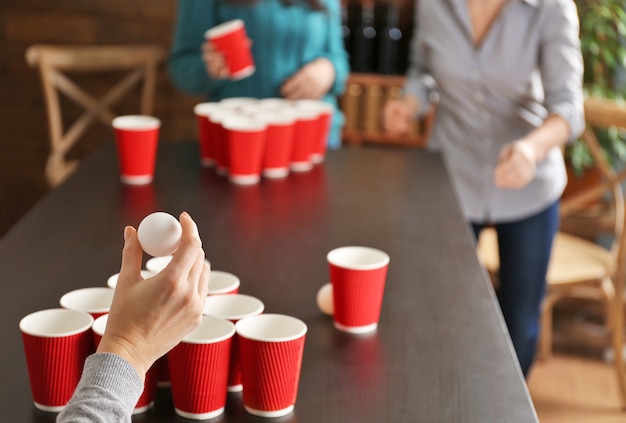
(54, 62)
(603, 113)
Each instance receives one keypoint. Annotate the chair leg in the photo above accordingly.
(545, 331)
(609, 303)
(57, 169)
(617, 311)
(618, 350)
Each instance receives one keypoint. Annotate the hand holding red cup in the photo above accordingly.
(231, 40)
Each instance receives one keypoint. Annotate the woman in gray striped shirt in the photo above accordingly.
(507, 79)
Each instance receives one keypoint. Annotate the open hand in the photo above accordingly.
(149, 317)
(311, 81)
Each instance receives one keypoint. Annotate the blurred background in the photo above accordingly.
(23, 122)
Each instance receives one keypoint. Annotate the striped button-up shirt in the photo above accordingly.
(528, 66)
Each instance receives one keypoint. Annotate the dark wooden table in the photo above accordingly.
(441, 352)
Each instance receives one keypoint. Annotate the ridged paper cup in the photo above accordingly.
(273, 103)
(155, 264)
(199, 369)
(223, 283)
(56, 343)
(112, 280)
(231, 40)
(322, 128)
(237, 104)
(137, 139)
(146, 399)
(233, 307)
(304, 133)
(246, 147)
(222, 150)
(278, 142)
(207, 132)
(95, 300)
(271, 350)
(358, 277)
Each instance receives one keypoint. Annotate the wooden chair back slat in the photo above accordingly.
(140, 62)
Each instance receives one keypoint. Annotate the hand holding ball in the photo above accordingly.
(159, 234)
(325, 299)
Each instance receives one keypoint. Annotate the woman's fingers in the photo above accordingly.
(188, 250)
(395, 117)
(131, 259)
(214, 61)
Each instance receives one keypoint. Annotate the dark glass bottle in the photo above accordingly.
(364, 40)
(345, 26)
(389, 40)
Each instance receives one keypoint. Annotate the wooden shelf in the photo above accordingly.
(362, 105)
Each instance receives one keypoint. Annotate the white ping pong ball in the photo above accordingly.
(325, 299)
(159, 234)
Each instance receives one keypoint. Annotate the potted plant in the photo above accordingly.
(603, 45)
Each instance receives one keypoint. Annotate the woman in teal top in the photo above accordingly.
(296, 44)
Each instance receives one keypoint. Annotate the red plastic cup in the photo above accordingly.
(222, 159)
(137, 201)
(246, 146)
(305, 130)
(56, 344)
(199, 369)
(223, 283)
(155, 264)
(322, 131)
(271, 350)
(274, 103)
(95, 301)
(146, 399)
(136, 138)
(358, 277)
(238, 104)
(207, 132)
(231, 40)
(234, 308)
(278, 142)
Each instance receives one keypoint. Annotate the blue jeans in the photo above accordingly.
(524, 248)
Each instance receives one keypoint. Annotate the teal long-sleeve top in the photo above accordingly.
(284, 38)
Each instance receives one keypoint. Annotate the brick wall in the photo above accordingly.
(23, 125)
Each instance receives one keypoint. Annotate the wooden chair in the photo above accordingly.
(579, 267)
(54, 62)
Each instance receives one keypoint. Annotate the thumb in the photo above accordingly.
(131, 258)
(505, 152)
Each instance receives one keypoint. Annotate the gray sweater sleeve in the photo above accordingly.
(107, 392)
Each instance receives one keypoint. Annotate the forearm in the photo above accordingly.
(554, 132)
(335, 50)
(188, 73)
(339, 74)
(108, 391)
(126, 352)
